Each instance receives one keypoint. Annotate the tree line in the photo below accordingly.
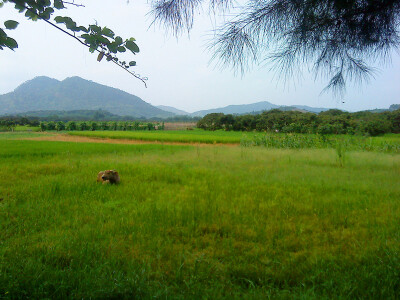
(333, 121)
(81, 126)
(9, 123)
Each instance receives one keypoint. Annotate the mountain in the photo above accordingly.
(173, 110)
(394, 107)
(237, 109)
(75, 93)
(311, 109)
(257, 108)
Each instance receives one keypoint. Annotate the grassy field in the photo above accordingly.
(387, 143)
(191, 222)
(185, 136)
(27, 128)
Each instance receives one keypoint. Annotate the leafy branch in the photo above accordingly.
(98, 39)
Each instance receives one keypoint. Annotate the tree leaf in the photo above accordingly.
(118, 40)
(107, 32)
(59, 19)
(58, 4)
(84, 29)
(11, 43)
(100, 56)
(132, 63)
(121, 49)
(132, 46)
(11, 24)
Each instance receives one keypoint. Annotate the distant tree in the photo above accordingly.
(83, 126)
(93, 126)
(114, 126)
(211, 121)
(43, 126)
(71, 126)
(60, 126)
(104, 126)
(150, 126)
(332, 112)
(51, 126)
(336, 38)
(98, 39)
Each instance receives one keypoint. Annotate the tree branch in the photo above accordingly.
(143, 79)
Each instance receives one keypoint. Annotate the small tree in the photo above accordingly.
(43, 126)
(93, 126)
(60, 126)
(83, 126)
(71, 126)
(104, 126)
(114, 126)
(51, 126)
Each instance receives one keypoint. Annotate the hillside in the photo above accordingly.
(237, 109)
(173, 110)
(75, 93)
(256, 108)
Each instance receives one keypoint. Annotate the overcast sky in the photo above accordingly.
(179, 70)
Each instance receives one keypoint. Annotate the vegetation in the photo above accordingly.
(98, 39)
(191, 222)
(93, 126)
(332, 121)
(333, 38)
(182, 136)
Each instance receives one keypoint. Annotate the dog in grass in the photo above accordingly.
(108, 177)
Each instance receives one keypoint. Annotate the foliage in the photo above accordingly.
(329, 122)
(98, 39)
(334, 38)
(94, 126)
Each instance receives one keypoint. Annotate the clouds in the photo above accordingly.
(179, 71)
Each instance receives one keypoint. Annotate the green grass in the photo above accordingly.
(27, 128)
(189, 136)
(191, 222)
(387, 143)
(18, 135)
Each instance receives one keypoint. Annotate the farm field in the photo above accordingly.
(190, 222)
(387, 143)
(186, 136)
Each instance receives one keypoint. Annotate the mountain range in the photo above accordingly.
(75, 93)
(50, 96)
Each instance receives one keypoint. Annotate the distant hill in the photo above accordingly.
(75, 93)
(173, 110)
(237, 109)
(76, 115)
(256, 108)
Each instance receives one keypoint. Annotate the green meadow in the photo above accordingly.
(182, 136)
(199, 222)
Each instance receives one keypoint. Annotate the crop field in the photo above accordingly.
(192, 222)
(388, 143)
(185, 136)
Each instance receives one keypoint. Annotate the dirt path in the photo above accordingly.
(84, 139)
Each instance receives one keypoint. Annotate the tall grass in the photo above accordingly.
(389, 143)
(345, 142)
(191, 222)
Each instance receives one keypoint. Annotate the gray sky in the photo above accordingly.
(179, 70)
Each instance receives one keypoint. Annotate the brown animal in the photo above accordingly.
(108, 176)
